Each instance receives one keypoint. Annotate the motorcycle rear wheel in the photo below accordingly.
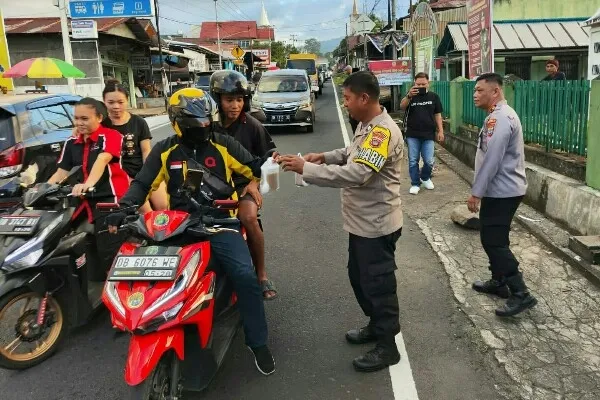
(158, 385)
(26, 331)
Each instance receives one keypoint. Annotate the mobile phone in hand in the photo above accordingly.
(422, 91)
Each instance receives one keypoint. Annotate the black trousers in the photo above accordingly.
(371, 266)
(496, 216)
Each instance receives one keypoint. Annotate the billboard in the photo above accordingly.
(4, 56)
(479, 26)
(425, 56)
(391, 72)
(265, 54)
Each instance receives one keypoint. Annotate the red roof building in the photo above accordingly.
(244, 32)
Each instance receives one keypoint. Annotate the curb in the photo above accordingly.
(591, 272)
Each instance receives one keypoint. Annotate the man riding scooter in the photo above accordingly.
(196, 145)
(230, 90)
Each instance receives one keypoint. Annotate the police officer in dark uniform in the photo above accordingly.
(500, 184)
(231, 92)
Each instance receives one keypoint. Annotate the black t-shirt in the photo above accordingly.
(252, 135)
(560, 76)
(420, 120)
(133, 132)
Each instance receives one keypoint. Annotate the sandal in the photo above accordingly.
(268, 286)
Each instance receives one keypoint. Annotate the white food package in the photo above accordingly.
(298, 177)
(269, 181)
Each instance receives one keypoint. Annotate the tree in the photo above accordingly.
(312, 45)
(280, 52)
(379, 24)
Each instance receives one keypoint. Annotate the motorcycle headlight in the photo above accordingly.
(156, 322)
(177, 288)
(111, 292)
(30, 253)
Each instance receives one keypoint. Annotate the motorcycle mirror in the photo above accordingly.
(193, 180)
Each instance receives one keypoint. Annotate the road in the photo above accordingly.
(306, 255)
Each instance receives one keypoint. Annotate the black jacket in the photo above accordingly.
(169, 161)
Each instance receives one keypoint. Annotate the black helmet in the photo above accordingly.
(228, 82)
(192, 113)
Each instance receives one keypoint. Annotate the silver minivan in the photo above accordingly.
(284, 98)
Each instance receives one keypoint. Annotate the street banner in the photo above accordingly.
(479, 26)
(4, 56)
(390, 72)
(425, 56)
(381, 40)
(265, 54)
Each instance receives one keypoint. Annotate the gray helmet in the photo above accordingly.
(228, 82)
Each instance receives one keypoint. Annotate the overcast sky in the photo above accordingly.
(323, 19)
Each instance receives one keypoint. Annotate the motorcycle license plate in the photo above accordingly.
(18, 224)
(144, 268)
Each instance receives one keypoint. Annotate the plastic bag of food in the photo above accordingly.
(269, 178)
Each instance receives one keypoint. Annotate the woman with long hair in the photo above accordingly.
(136, 138)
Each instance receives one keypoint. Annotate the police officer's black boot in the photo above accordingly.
(361, 336)
(382, 356)
(519, 300)
(493, 286)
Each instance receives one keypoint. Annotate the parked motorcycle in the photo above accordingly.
(171, 296)
(44, 267)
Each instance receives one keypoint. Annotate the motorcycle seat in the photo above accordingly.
(85, 227)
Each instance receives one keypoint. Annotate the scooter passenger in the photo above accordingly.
(230, 90)
(97, 150)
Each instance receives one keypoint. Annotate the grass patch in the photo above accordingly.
(338, 79)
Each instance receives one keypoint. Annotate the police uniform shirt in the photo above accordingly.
(369, 173)
(500, 159)
(133, 132)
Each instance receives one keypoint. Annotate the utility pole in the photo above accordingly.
(394, 56)
(160, 55)
(365, 50)
(412, 43)
(218, 37)
(347, 47)
(64, 27)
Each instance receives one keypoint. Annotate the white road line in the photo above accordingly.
(403, 383)
(341, 116)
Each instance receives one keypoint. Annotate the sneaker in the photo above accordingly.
(428, 184)
(263, 359)
(414, 190)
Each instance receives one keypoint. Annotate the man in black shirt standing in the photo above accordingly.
(423, 117)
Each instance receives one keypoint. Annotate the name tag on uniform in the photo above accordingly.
(176, 165)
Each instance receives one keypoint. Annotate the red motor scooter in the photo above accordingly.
(166, 290)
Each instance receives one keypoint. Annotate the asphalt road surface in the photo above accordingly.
(306, 258)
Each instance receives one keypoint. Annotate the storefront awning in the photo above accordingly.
(521, 35)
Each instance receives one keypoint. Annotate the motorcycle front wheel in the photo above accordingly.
(163, 383)
(23, 343)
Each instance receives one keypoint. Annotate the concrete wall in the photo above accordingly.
(566, 200)
(543, 9)
(593, 160)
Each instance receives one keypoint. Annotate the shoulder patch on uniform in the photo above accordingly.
(373, 152)
(490, 125)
